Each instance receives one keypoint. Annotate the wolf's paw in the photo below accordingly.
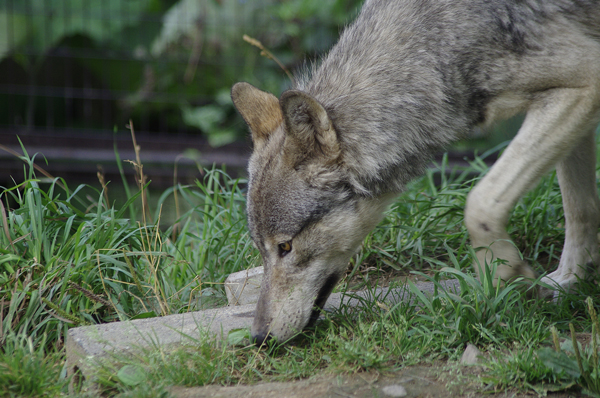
(557, 282)
(566, 278)
(507, 272)
(525, 270)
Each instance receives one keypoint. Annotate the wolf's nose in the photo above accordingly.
(261, 338)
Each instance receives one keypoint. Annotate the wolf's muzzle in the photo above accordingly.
(261, 338)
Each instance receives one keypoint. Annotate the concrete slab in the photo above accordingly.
(243, 287)
(92, 343)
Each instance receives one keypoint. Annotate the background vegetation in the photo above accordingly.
(168, 65)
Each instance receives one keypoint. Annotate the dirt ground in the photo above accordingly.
(434, 381)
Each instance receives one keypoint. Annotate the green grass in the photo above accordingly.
(67, 260)
(546, 369)
(62, 267)
(27, 370)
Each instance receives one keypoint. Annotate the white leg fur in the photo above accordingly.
(558, 121)
(577, 178)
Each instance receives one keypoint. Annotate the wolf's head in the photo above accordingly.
(304, 216)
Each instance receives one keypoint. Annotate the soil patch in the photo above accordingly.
(439, 380)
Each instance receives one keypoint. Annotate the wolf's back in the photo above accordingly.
(409, 77)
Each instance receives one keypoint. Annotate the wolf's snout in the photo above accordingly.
(261, 338)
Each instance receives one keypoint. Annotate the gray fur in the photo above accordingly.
(406, 79)
(428, 69)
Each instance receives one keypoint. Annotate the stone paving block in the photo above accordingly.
(91, 343)
(243, 287)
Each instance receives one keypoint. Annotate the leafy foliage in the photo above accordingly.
(160, 59)
(41, 24)
(565, 366)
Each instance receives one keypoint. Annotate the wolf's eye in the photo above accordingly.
(284, 248)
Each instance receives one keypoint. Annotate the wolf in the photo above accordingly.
(406, 79)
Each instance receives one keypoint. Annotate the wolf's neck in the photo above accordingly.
(389, 127)
(392, 106)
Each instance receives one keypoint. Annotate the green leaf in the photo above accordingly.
(206, 118)
(131, 375)
(543, 389)
(237, 336)
(220, 137)
(144, 315)
(559, 362)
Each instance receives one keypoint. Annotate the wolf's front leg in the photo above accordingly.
(486, 219)
(556, 124)
(577, 178)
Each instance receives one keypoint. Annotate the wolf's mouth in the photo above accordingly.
(322, 298)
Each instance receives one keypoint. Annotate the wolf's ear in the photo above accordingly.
(259, 109)
(309, 126)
